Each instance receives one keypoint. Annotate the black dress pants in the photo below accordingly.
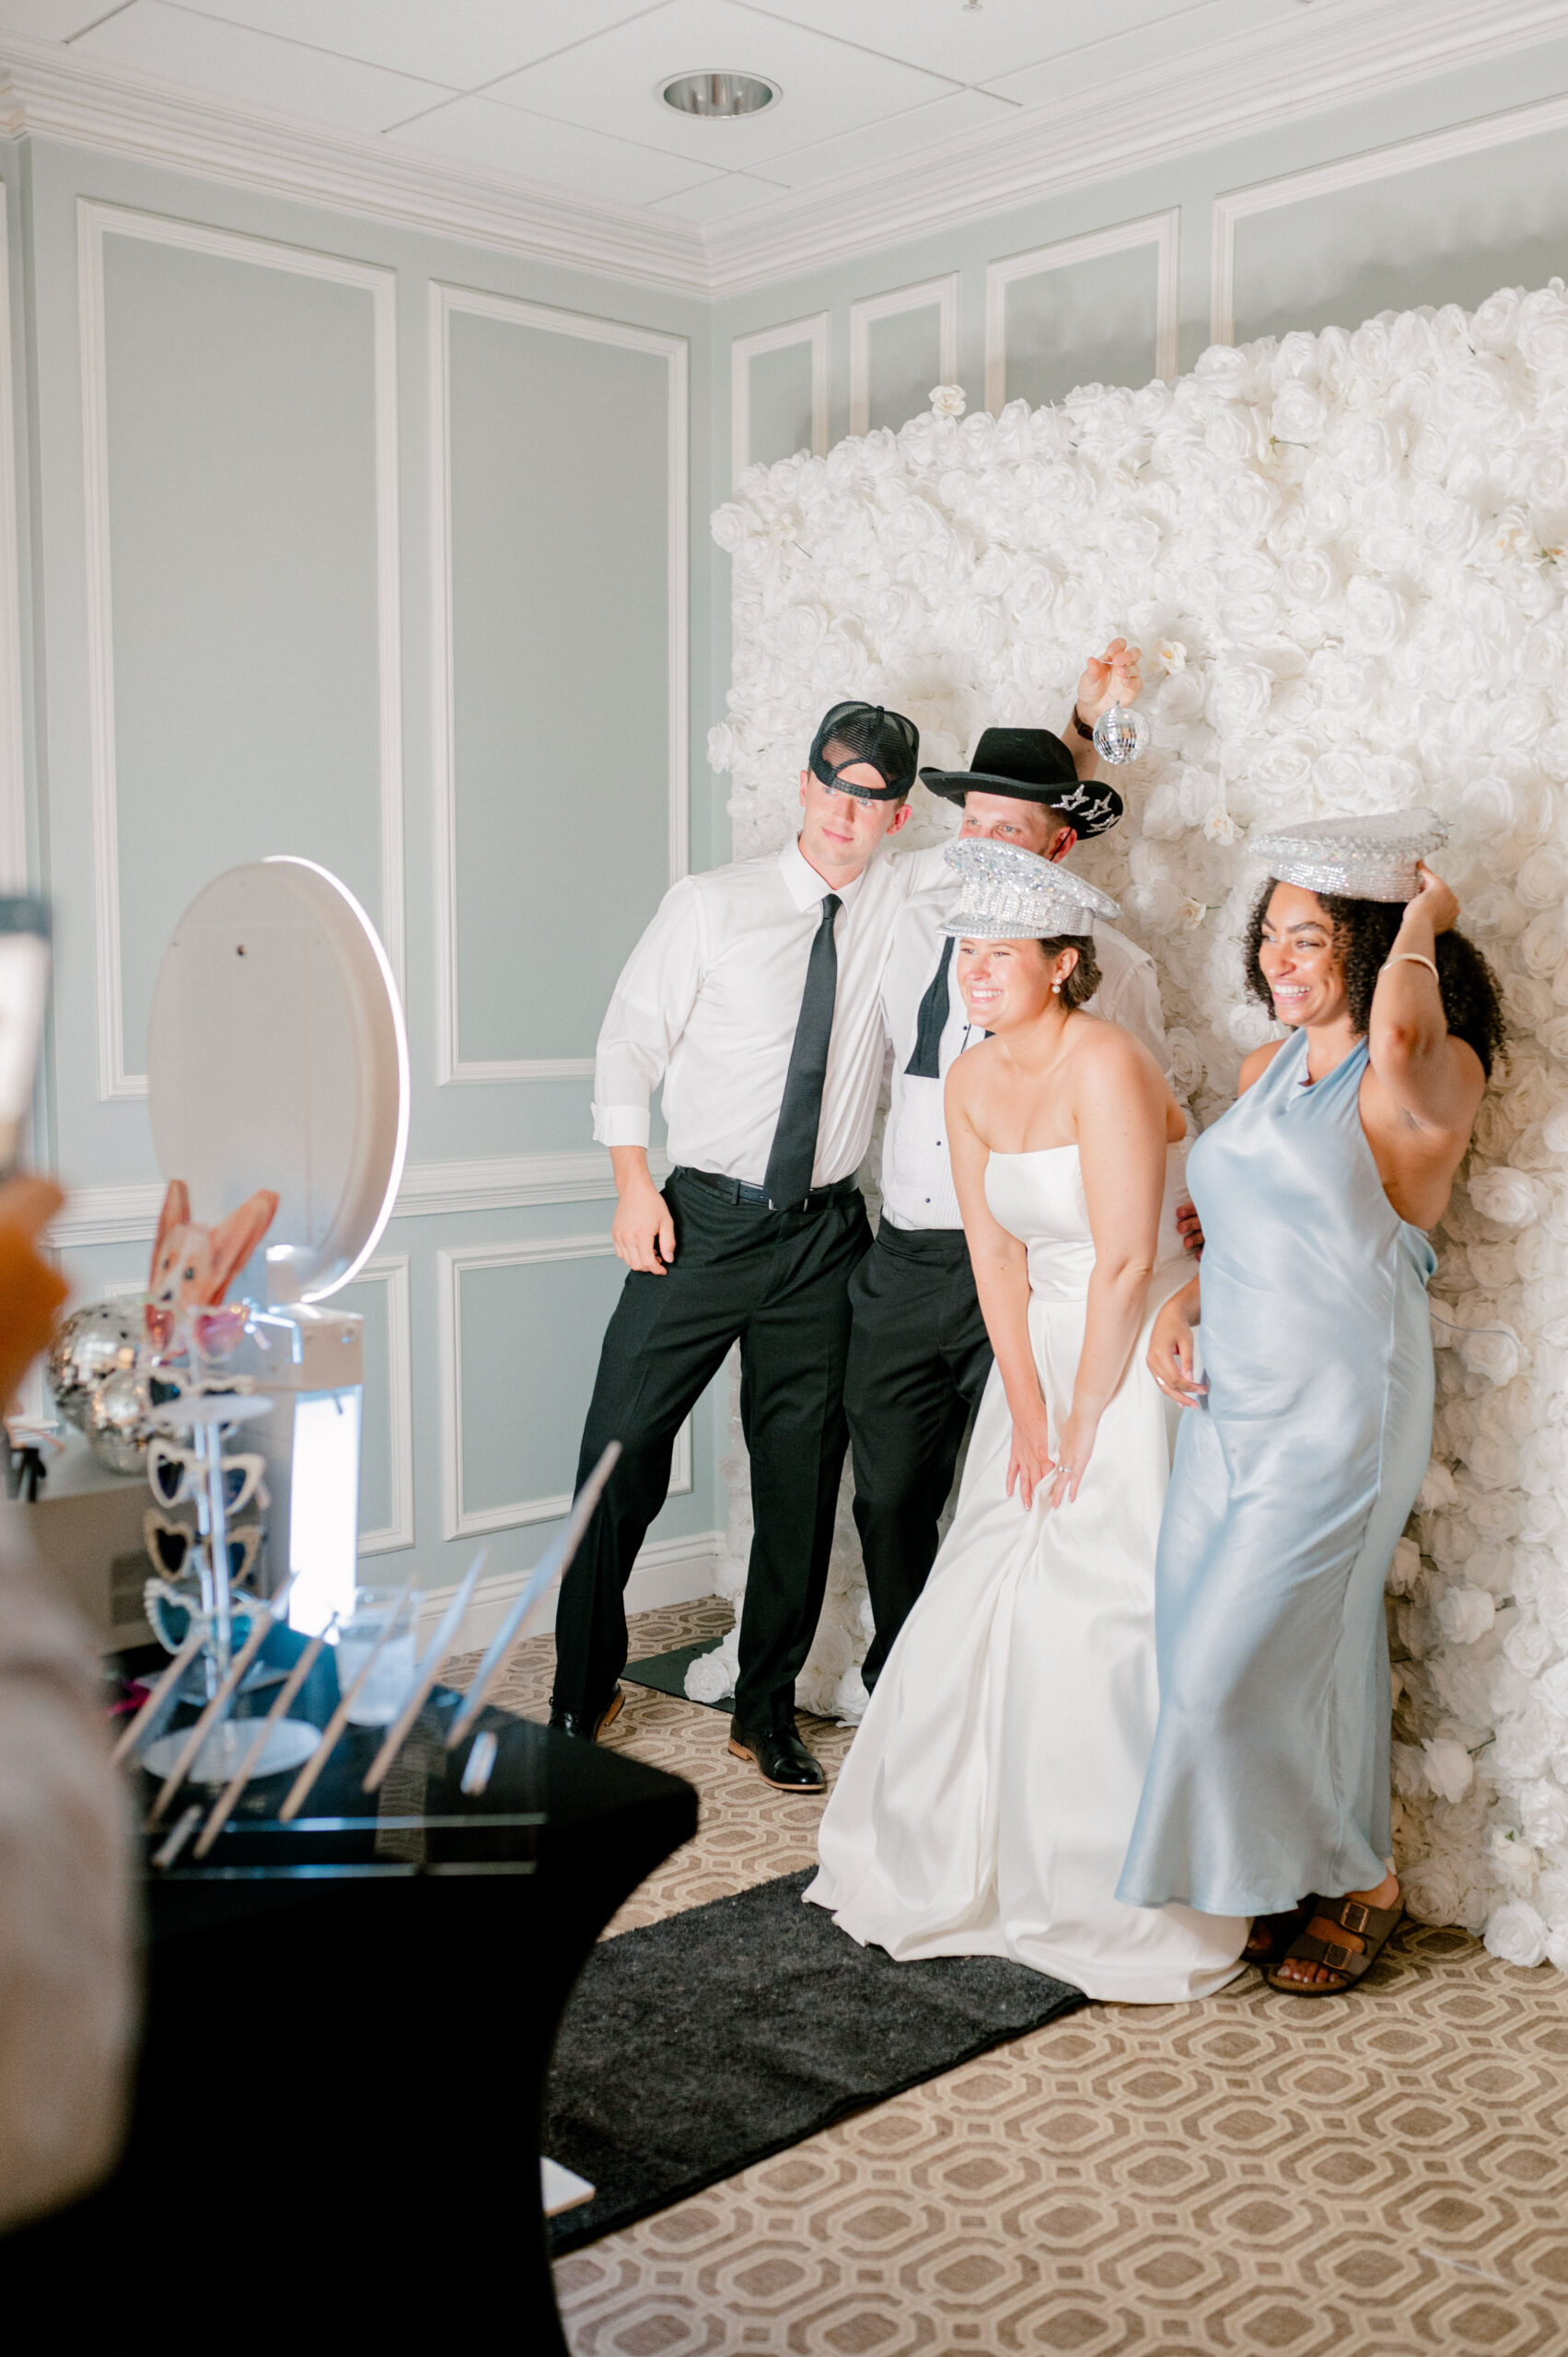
(778, 1283)
(919, 1357)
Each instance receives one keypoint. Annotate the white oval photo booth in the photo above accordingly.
(277, 1057)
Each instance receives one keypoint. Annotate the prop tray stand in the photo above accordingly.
(349, 2020)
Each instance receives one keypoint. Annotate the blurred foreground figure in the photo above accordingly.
(66, 2012)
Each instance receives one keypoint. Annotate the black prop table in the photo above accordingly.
(349, 2021)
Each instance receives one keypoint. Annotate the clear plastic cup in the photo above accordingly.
(387, 1689)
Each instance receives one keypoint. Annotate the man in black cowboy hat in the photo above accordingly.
(919, 1354)
(753, 998)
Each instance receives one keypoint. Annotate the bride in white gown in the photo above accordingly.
(986, 1802)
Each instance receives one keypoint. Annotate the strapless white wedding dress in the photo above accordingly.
(986, 1802)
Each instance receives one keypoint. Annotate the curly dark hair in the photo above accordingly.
(1363, 935)
(1085, 979)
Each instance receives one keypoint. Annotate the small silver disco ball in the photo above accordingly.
(1122, 735)
(116, 1424)
(92, 1343)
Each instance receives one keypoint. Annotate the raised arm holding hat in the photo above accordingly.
(919, 1354)
(752, 997)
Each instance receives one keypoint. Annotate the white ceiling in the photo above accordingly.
(562, 95)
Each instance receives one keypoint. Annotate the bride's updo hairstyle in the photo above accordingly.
(1081, 984)
(1362, 874)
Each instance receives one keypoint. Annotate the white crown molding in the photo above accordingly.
(391, 1270)
(128, 1214)
(1252, 82)
(95, 223)
(938, 294)
(743, 350)
(459, 1520)
(1373, 163)
(1162, 231)
(63, 94)
(1277, 74)
(445, 300)
(13, 758)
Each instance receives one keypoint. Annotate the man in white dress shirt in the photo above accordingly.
(753, 997)
(919, 1355)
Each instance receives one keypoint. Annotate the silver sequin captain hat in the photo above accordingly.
(1005, 894)
(1362, 859)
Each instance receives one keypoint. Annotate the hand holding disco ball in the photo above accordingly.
(1112, 684)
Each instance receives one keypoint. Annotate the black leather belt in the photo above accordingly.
(736, 1190)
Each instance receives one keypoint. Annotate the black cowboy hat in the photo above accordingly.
(1032, 765)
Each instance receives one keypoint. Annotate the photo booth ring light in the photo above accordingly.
(277, 1057)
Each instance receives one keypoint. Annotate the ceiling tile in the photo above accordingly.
(229, 62)
(890, 142)
(49, 20)
(720, 199)
(1107, 53)
(972, 44)
(458, 42)
(613, 82)
(473, 130)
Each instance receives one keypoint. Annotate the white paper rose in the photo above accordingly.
(1434, 1891)
(949, 400)
(1465, 1614)
(711, 1678)
(1493, 1351)
(1450, 1770)
(1511, 1197)
(1515, 1934)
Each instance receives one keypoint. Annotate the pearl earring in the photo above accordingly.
(1056, 986)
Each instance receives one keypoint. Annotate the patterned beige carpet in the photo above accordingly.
(1374, 2176)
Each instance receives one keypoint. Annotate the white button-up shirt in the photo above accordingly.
(709, 1000)
(917, 1174)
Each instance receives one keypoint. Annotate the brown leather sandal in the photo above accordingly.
(1269, 1939)
(1375, 1925)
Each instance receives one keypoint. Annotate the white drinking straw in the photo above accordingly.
(299, 1790)
(435, 1653)
(223, 1807)
(260, 1629)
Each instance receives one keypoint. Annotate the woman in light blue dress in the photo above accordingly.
(1267, 1792)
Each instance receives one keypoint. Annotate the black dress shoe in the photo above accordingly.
(783, 1759)
(588, 1727)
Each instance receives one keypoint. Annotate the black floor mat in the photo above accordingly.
(666, 1673)
(700, 2044)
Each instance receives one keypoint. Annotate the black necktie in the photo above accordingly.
(926, 1062)
(788, 1175)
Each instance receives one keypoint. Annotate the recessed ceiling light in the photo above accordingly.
(720, 97)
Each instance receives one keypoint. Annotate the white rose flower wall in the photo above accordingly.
(1346, 558)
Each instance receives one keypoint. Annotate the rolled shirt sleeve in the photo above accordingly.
(649, 1008)
(1129, 992)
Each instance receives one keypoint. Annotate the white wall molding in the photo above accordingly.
(391, 1270)
(95, 222)
(940, 295)
(747, 348)
(13, 750)
(52, 92)
(458, 1520)
(1160, 230)
(1303, 64)
(1362, 171)
(128, 1214)
(668, 1571)
(450, 1065)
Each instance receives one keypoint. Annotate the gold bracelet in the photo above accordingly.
(1413, 958)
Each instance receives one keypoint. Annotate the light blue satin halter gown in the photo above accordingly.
(1269, 1777)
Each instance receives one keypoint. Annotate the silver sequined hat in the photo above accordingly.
(1362, 859)
(1005, 894)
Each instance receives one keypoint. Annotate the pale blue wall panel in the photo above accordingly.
(561, 637)
(781, 403)
(1091, 323)
(370, 1299)
(904, 357)
(530, 1337)
(243, 553)
(1450, 232)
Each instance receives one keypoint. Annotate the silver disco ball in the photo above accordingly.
(116, 1424)
(1120, 735)
(91, 1344)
